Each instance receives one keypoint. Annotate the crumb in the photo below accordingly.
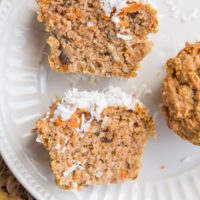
(162, 167)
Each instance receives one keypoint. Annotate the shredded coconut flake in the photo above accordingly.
(74, 185)
(38, 139)
(115, 19)
(109, 5)
(63, 150)
(98, 174)
(47, 116)
(93, 101)
(117, 6)
(124, 36)
(71, 169)
(90, 24)
(58, 147)
(105, 121)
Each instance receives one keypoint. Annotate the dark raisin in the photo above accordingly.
(97, 133)
(64, 59)
(90, 5)
(106, 140)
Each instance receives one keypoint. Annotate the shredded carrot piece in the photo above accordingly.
(72, 17)
(74, 13)
(77, 42)
(140, 110)
(73, 122)
(118, 64)
(89, 133)
(123, 174)
(58, 122)
(133, 7)
(126, 24)
(69, 164)
(77, 177)
(78, 12)
(45, 1)
(92, 28)
(105, 17)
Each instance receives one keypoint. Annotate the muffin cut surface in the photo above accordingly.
(101, 37)
(181, 93)
(95, 138)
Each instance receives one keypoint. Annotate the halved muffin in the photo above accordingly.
(95, 138)
(101, 37)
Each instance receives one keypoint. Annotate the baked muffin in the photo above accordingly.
(95, 138)
(181, 93)
(101, 37)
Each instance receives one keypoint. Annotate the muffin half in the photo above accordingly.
(95, 138)
(101, 37)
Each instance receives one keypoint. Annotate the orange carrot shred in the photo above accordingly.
(58, 122)
(123, 174)
(140, 110)
(45, 1)
(89, 133)
(105, 17)
(78, 12)
(73, 122)
(133, 7)
(126, 24)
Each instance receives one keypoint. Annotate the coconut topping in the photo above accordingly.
(109, 5)
(95, 102)
(72, 168)
(90, 24)
(118, 5)
(124, 36)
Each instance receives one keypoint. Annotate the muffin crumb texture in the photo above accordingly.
(104, 38)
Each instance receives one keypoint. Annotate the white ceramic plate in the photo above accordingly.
(171, 166)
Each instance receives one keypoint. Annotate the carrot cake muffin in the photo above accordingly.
(101, 37)
(181, 93)
(95, 138)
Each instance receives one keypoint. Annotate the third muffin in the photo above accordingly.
(181, 93)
